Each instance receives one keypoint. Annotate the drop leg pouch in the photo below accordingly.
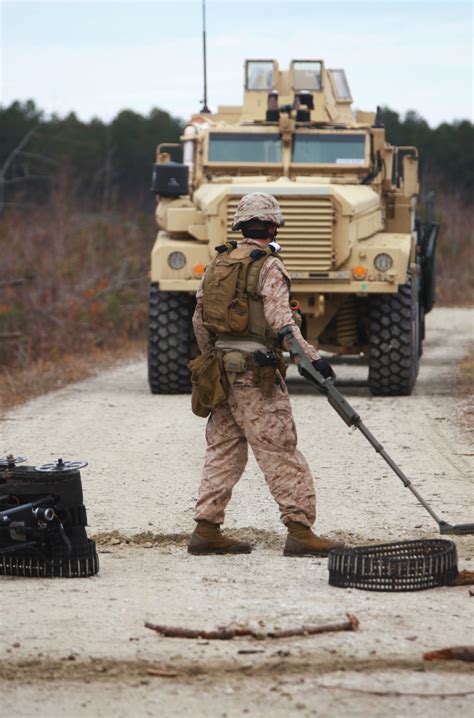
(208, 383)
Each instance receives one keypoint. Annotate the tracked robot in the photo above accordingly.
(43, 520)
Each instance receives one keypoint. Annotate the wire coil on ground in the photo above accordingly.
(398, 566)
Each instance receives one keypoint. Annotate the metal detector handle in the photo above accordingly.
(325, 386)
(342, 406)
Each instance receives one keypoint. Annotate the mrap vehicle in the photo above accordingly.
(361, 262)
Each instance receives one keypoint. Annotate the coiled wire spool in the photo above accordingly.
(399, 566)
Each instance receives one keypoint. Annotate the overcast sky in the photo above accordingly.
(97, 57)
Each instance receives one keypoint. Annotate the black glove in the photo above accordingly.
(322, 366)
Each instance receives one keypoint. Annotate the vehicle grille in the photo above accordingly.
(306, 238)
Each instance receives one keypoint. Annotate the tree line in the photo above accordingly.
(446, 152)
(107, 163)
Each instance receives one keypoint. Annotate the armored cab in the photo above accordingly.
(362, 264)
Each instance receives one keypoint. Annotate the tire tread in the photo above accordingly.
(393, 361)
(169, 341)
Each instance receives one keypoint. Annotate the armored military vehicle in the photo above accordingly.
(361, 262)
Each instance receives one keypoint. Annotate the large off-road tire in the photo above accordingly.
(394, 342)
(170, 337)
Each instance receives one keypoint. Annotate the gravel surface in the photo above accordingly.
(79, 647)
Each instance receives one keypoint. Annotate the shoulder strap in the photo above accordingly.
(255, 268)
(248, 258)
(227, 247)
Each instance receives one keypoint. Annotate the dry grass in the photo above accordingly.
(465, 387)
(467, 371)
(45, 375)
(82, 302)
(455, 251)
(85, 281)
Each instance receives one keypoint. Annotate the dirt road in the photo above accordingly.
(79, 647)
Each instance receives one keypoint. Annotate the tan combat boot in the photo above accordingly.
(301, 541)
(207, 538)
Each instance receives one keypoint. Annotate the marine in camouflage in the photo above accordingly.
(246, 417)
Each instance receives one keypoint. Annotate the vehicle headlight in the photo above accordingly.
(383, 262)
(176, 260)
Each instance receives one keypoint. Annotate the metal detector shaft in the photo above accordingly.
(352, 418)
(380, 450)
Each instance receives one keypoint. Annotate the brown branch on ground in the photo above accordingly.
(458, 653)
(225, 633)
(161, 672)
(367, 691)
(464, 578)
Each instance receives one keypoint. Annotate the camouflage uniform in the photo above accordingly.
(248, 418)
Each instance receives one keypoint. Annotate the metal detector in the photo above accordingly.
(352, 418)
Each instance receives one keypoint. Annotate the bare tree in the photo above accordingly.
(16, 152)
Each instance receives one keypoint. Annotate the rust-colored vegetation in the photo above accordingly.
(455, 250)
(73, 292)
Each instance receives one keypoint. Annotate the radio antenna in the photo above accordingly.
(204, 108)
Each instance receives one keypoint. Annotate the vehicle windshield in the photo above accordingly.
(241, 147)
(329, 149)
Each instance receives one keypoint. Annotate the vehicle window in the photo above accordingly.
(341, 85)
(241, 147)
(259, 75)
(307, 75)
(329, 149)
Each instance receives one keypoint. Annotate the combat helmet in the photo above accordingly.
(257, 205)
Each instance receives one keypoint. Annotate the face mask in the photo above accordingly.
(255, 233)
(274, 246)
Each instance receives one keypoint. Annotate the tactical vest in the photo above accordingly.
(231, 306)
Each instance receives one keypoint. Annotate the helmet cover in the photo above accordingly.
(258, 205)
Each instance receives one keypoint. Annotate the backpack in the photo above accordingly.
(230, 285)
